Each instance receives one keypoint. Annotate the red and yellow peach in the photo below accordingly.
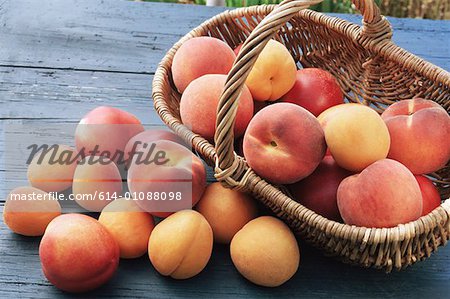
(77, 253)
(200, 56)
(419, 131)
(384, 194)
(174, 181)
(198, 106)
(292, 138)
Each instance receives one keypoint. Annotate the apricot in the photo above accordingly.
(28, 211)
(105, 131)
(200, 56)
(52, 170)
(96, 182)
(384, 194)
(318, 191)
(284, 143)
(355, 134)
(226, 210)
(419, 131)
(265, 252)
(273, 73)
(430, 195)
(174, 181)
(198, 106)
(129, 225)
(180, 246)
(77, 253)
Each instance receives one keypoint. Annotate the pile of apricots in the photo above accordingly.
(344, 161)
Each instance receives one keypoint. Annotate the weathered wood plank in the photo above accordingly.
(124, 41)
(132, 37)
(67, 95)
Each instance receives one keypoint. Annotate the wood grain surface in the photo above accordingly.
(59, 59)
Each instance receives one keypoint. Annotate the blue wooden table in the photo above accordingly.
(59, 59)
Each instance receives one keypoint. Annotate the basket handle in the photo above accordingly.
(229, 168)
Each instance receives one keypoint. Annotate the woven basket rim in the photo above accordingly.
(385, 49)
(369, 236)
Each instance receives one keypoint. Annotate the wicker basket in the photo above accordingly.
(370, 69)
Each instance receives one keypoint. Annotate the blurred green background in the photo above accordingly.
(427, 9)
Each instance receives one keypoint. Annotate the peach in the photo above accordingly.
(180, 246)
(96, 182)
(355, 134)
(284, 143)
(430, 195)
(384, 194)
(419, 131)
(129, 225)
(77, 253)
(226, 210)
(265, 252)
(315, 90)
(318, 191)
(147, 137)
(105, 131)
(28, 211)
(52, 170)
(273, 73)
(200, 56)
(198, 106)
(174, 179)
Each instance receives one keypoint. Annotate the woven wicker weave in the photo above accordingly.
(370, 69)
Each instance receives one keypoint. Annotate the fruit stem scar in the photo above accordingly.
(273, 143)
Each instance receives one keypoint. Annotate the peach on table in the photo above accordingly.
(180, 177)
(77, 253)
(145, 138)
(106, 129)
